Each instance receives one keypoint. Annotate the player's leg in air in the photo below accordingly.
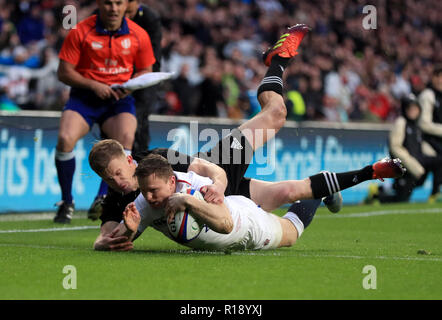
(257, 131)
(301, 213)
(272, 117)
(234, 152)
(266, 124)
(271, 195)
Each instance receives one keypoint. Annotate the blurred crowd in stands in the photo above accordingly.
(343, 72)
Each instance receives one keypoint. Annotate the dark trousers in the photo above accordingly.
(434, 165)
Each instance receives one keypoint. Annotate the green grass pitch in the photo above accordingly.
(402, 242)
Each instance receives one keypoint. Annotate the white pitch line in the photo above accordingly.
(50, 229)
(351, 215)
(246, 253)
(50, 216)
(261, 253)
(34, 216)
(375, 257)
(382, 213)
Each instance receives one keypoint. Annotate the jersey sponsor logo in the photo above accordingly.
(113, 70)
(126, 43)
(96, 45)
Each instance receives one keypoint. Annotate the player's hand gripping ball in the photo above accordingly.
(184, 227)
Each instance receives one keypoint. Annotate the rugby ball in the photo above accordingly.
(184, 227)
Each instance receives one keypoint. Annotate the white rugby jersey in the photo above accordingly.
(246, 215)
(155, 217)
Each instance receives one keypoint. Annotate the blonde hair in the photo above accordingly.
(103, 152)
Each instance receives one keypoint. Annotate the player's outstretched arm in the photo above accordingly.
(216, 216)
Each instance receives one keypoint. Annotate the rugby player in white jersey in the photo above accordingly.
(238, 223)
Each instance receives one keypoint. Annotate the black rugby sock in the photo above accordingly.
(305, 210)
(326, 183)
(273, 78)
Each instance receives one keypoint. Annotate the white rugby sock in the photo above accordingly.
(64, 156)
(293, 217)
